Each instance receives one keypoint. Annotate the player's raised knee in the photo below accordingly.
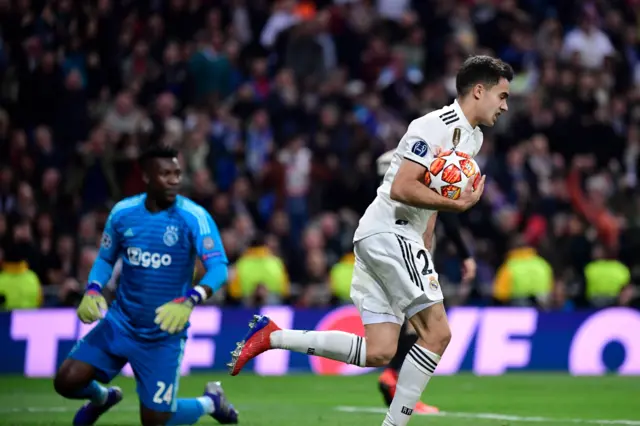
(433, 328)
(380, 356)
(61, 384)
(381, 343)
(437, 339)
(444, 336)
(71, 377)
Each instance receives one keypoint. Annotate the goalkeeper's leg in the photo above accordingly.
(88, 361)
(75, 380)
(156, 366)
(374, 350)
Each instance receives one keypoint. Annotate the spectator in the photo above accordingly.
(587, 44)
(19, 284)
(280, 109)
(341, 274)
(525, 278)
(605, 278)
(260, 276)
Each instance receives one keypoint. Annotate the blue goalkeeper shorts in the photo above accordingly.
(156, 364)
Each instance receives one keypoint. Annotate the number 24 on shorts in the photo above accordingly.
(164, 394)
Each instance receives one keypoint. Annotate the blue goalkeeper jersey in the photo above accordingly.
(158, 252)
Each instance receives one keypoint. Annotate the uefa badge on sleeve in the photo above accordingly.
(170, 237)
(420, 148)
(207, 243)
(106, 240)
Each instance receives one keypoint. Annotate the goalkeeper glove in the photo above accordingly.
(172, 317)
(92, 304)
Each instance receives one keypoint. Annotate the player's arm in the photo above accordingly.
(173, 316)
(102, 268)
(211, 253)
(428, 235)
(93, 302)
(408, 187)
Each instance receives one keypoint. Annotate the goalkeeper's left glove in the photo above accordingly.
(172, 317)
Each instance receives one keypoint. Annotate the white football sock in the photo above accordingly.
(207, 404)
(416, 371)
(337, 345)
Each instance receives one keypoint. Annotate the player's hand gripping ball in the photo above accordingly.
(450, 172)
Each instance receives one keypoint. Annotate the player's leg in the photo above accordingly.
(434, 334)
(389, 377)
(75, 380)
(374, 350)
(404, 271)
(406, 340)
(382, 324)
(213, 402)
(157, 369)
(388, 380)
(91, 360)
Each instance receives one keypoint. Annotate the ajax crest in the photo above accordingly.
(170, 237)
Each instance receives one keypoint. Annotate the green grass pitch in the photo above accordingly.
(305, 400)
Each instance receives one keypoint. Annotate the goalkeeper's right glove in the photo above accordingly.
(92, 304)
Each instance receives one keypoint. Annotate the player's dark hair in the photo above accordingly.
(481, 69)
(156, 151)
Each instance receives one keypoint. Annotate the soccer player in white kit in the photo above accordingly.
(393, 275)
(388, 379)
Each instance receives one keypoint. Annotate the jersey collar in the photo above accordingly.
(169, 209)
(463, 118)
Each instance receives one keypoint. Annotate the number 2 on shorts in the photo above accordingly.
(410, 262)
(427, 267)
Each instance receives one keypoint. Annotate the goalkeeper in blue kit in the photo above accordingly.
(158, 235)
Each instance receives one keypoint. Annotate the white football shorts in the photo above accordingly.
(393, 277)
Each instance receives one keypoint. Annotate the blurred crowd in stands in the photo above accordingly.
(280, 109)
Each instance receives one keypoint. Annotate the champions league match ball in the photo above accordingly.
(449, 173)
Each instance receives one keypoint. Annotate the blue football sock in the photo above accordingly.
(189, 411)
(94, 392)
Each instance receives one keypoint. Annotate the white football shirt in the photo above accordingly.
(435, 129)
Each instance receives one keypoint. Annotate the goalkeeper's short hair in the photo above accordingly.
(153, 151)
